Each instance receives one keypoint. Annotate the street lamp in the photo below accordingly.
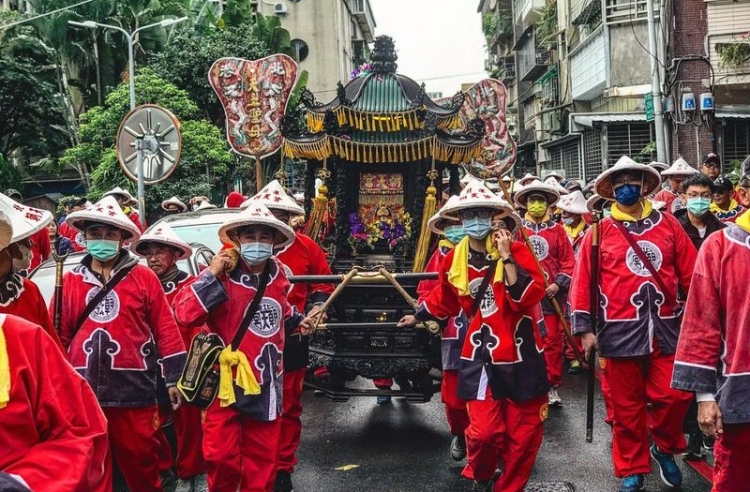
(131, 85)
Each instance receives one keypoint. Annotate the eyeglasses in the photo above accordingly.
(711, 165)
(626, 180)
(702, 195)
(482, 213)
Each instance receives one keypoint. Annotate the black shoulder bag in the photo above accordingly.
(199, 382)
(483, 288)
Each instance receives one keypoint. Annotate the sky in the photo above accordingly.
(439, 42)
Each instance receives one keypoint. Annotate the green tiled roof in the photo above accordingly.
(382, 94)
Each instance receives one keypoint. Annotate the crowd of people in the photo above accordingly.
(644, 274)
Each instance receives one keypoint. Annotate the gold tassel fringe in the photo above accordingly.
(430, 205)
(320, 204)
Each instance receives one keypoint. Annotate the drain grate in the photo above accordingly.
(550, 487)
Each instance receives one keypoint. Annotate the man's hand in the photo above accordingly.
(315, 312)
(223, 262)
(407, 321)
(709, 418)
(174, 397)
(588, 340)
(307, 326)
(503, 239)
(552, 290)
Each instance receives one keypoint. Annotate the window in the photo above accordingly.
(300, 48)
(736, 142)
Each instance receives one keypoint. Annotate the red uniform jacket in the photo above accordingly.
(673, 202)
(134, 217)
(454, 333)
(730, 215)
(53, 432)
(575, 242)
(41, 248)
(77, 238)
(632, 308)
(552, 248)
(713, 354)
(303, 257)
(116, 347)
(221, 304)
(21, 297)
(503, 347)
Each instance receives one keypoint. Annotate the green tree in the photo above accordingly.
(9, 176)
(205, 160)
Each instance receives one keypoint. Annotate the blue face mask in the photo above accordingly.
(607, 212)
(256, 253)
(628, 194)
(477, 228)
(699, 206)
(103, 250)
(455, 233)
(568, 221)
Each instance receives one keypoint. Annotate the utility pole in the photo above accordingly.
(661, 142)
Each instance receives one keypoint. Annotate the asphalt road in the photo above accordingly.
(361, 446)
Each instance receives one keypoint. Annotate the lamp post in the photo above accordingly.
(131, 86)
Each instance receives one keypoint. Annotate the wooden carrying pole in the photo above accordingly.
(553, 301)
(594, 310)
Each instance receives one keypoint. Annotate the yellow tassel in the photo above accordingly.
(430, 205)
(245, 378)
(320, 203)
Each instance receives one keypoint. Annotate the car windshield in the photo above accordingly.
(206, 234)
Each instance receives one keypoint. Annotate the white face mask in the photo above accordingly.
(25, 262)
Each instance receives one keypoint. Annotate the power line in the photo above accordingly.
(62, 9)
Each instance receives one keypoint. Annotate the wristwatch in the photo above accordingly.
(509, 259)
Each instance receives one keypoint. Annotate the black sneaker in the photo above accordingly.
(694, 450)
(481, 486)
(168, 480)
(283, 482)
(458, 448)
(708, 443)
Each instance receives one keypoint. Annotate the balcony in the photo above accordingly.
(362, 13)
(532, 59)
(589, 67)
(585, 11)
(528, 11)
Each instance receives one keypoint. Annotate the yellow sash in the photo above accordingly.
(458, 275)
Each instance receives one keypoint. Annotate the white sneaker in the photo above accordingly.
(553, 398)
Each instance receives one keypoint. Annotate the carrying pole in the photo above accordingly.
(594, 310)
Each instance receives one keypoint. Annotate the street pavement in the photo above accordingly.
(362, 446)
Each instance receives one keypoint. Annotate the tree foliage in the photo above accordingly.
(9, 176)
(205, 160)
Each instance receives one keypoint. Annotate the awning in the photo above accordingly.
(587, 120)
(732, 113)
(570, 137)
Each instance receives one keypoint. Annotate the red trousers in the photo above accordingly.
(187, 426)
(634, 382)
(504, 431)
(606, 393)
(732, 459)
(239, 451)
(553, 351)
(133, 437)
(455, 407)
(291, 424)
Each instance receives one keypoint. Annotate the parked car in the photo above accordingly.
(44, 276)
(200, 226)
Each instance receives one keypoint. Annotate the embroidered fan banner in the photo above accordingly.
(254, 94)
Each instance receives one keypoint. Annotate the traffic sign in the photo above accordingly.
(151, 134)
(648, 104)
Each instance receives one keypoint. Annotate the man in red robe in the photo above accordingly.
(638, 321)
(713, 353)
(726, 208)
(127, 202)
(19, 295)
(123, 339)
(502, 372)
(242, 427)
(76, 237)
(676, 174)
(163, 249)
(555, 253)
(302, 257)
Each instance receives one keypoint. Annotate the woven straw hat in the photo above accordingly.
(596, 203)
(105, 211)
(475, 195)
(651, 178)
(121, 192)
(680, 167)
(659, 166)
(174, 201)
(25, 221)
(573, 203)
(6, 231)
(554, 175)
(162, 234)
(205, 206)
(256, 214)
(555, 185)
(539, 188)
(274, 197)
(528, 179)
(439, 221)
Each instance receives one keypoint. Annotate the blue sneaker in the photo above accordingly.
(670, 473)
(632, 483)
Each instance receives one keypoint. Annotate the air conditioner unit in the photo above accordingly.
(280, 8)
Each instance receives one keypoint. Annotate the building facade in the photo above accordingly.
(331, 37)
(579, 72)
